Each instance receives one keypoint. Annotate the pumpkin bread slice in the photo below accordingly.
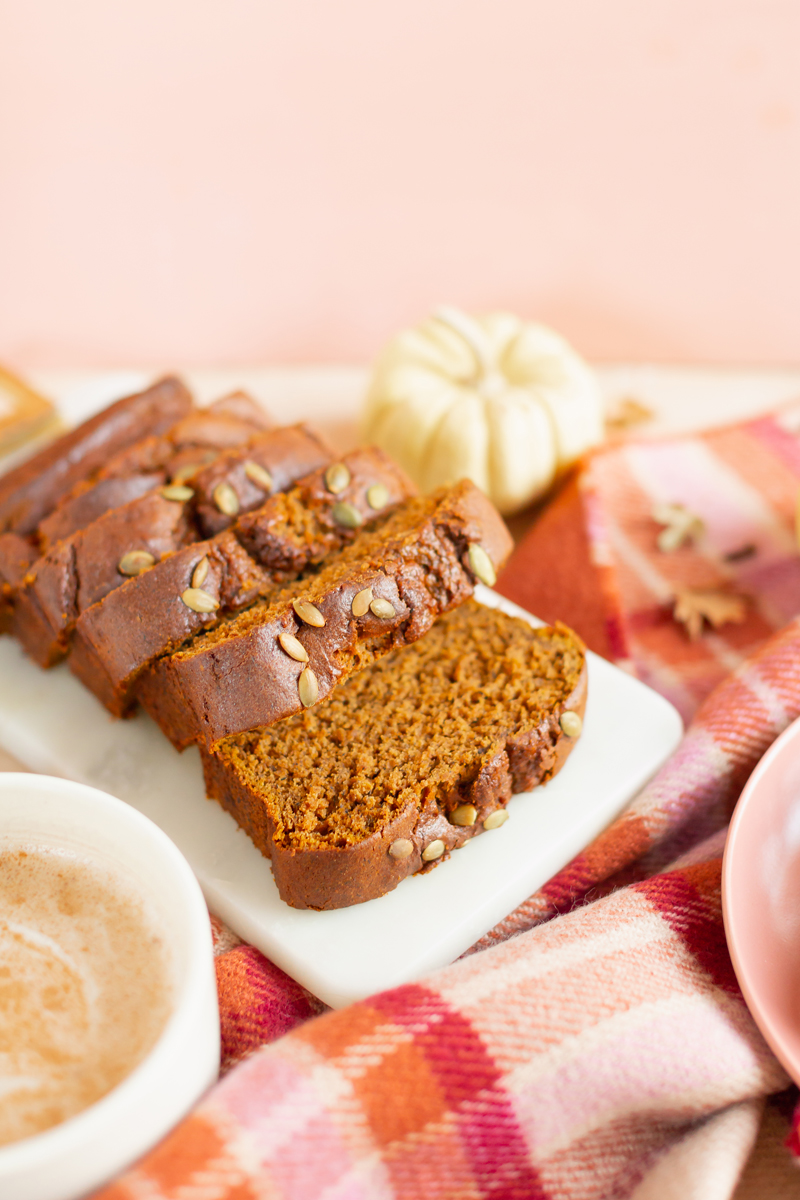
(29, 492)
(130, 473)
(82, 569)
(286, 652)
(32, 490)
(170, 457)
(193, 589)
(407, 760)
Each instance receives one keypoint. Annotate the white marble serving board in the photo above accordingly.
(50, 723)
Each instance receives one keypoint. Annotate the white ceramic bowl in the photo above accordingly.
(77, 1156)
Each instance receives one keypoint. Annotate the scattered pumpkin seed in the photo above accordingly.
(377, 495)
(200, 573)
(401, 848)
(308, 613)
(293, 647)
(226, 499)
(177, 492)
(134, 562)
(308, 688)
(571, 724)
(258, 475)
(347, 515)
(199, 601)
(186, 472)
(361, 602)
(433, 850)
(465, 814)
(382, 608)
(496, 819)
(481, 565)
(337, 478)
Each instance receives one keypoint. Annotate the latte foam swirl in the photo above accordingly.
(84, 986)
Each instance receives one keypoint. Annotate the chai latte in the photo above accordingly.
(85, 986)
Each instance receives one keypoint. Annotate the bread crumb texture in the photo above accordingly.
(417, 725)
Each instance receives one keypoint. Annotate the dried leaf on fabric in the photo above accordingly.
(626, 412)
(679, 525)
(693, 606)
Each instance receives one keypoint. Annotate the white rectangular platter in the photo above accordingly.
(53, 725)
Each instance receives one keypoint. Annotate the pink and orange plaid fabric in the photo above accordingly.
(742, 481)
(595, 1045)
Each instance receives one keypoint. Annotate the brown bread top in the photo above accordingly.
(85, 567)
(78, 510)
(175, 458)
(177, 454)
(289, 533)
(242, 407)
(249, 474)
(228, 422)
(116, 639)
(421, 747)
(29, 492)
(400, 577)
(190, 445)
(126, 476)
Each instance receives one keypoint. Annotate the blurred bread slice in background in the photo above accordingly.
(24, 414)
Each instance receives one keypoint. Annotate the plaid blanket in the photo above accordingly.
(595, 1044)
(608, 579)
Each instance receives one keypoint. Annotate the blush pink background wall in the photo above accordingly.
(209, 182)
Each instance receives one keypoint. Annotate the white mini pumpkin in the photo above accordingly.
(505, 402)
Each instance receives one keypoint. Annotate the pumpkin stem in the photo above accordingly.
(486, 373)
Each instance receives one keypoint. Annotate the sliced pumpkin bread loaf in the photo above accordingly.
(80, 570)
(290, 650)
(196, 437)
(408, 759)
(30, 491)
(193, 589)
(170, 457)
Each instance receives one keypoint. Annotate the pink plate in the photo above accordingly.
(761, 896)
